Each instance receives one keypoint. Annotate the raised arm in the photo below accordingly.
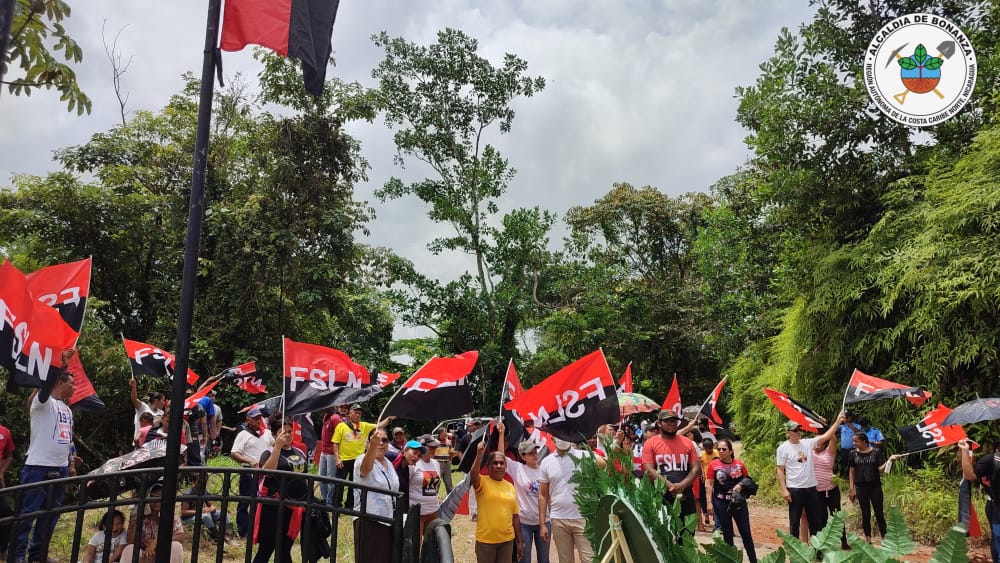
(965, 453)
(824, 438)
(368, 461)
(474, 475)
(132, 394)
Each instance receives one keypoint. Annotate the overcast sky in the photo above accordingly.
(638, 91)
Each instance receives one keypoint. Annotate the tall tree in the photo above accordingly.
(445, 102)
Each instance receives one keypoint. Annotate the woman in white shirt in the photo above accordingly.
(373, 539)
(425, 481)
(525, 476)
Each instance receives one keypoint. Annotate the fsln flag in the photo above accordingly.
(708, 410)
(300, 29)
(864, 387)
(269, 405)
(795, 411)
(248, 378)
(84, 395)
(625, 383)
(511, 383)
(438, 390)
(197, 395)
(33, 336)
(147, 359)
(386, 379)
(513, 423)
(573, 402)
(673, 401)
(64, 287)
(317, 377)
(928, 433)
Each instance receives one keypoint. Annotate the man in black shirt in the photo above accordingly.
(986, 467)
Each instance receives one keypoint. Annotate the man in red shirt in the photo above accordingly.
(327, 460)
(674, 460)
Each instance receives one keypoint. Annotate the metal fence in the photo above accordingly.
(218, 485)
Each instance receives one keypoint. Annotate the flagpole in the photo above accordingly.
(724, 378)
(503, 390)
(189, 281)
(282, 377)
(130, 368)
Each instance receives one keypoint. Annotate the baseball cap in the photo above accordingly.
(562, 445)
(415, 445)
(254, 412)
(527, 447)
(669, 414)
(356, 407)
(398, 430)
(792, 425)
(429, 441)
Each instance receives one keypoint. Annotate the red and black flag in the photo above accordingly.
(573, 402)
(511, 383)
(64, 287)
(33, 336)
(84, 395)
(200, 393)
(301, 29)
(438, 390)
(386, 379)
(928, 433)
(673, 401)
(248, 378)
(625, 383)
(317, 377)
(146, 359)
(513, 423)
(864, 387)
(708, 410)
(796, 412)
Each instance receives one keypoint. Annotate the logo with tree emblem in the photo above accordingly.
(920, 69)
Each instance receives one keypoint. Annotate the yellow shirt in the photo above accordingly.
(706, 459)
(351, 440)
(497, 503)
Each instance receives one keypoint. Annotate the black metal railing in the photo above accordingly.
(217, 485)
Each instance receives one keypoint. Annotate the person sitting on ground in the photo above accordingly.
(142, 532)
(113, 523)
(210, 514)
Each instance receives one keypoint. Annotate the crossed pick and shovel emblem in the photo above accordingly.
(945, 50)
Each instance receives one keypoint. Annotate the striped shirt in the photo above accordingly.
(823, 466)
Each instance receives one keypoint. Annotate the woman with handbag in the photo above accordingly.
(724, 487)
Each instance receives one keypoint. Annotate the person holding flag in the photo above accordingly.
(797, 475)
(986, 467)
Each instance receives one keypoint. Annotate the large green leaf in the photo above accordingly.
(898, 541)
(865, 552)
(933, 63)
(920, 52)
(798, 552)
(828, 539)
(776, 556)
(907, 63)
(722, 552)
(954, 548)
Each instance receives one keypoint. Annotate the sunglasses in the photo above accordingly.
(723, 449)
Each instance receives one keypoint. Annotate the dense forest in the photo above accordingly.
(846, 241)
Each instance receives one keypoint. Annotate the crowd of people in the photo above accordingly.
(522, 501)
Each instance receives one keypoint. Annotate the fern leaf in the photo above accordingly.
(828, 539)
(953, 549)
(897, 541)
(721, 552)
(865, 552)
(776, 556)
(798, 552)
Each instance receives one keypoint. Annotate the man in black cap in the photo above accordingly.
(673, 459)
(348, 444)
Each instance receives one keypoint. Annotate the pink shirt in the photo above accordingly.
(823, 466)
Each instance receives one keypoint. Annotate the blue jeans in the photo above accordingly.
(327, 468)
(531, 533)
(34, 500)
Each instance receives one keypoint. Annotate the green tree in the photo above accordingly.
(37, 33)
(445, 102)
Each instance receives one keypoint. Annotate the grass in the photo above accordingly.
(463, 530)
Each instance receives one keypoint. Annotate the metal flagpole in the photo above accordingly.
(503, 390)
(283, 382)
(189, 281)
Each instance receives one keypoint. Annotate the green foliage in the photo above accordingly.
(898, 541)
(907, 63)
(445, 102)
(37, 35)
(953, 549)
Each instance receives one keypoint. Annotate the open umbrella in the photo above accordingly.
(632, 403)
(978, 410)
(151, 454)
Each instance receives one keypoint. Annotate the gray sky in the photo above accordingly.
(637, 91)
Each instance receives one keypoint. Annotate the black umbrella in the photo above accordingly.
(978, 410)
(151, 454)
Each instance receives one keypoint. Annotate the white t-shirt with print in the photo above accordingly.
(526, 486)
(51, 433)
(798, 462)
(556, 470)
(425, 480)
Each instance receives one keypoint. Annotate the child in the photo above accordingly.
(115, 521)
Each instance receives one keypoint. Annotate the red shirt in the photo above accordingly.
(6, 443)
(326, 436)
(672, 457)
